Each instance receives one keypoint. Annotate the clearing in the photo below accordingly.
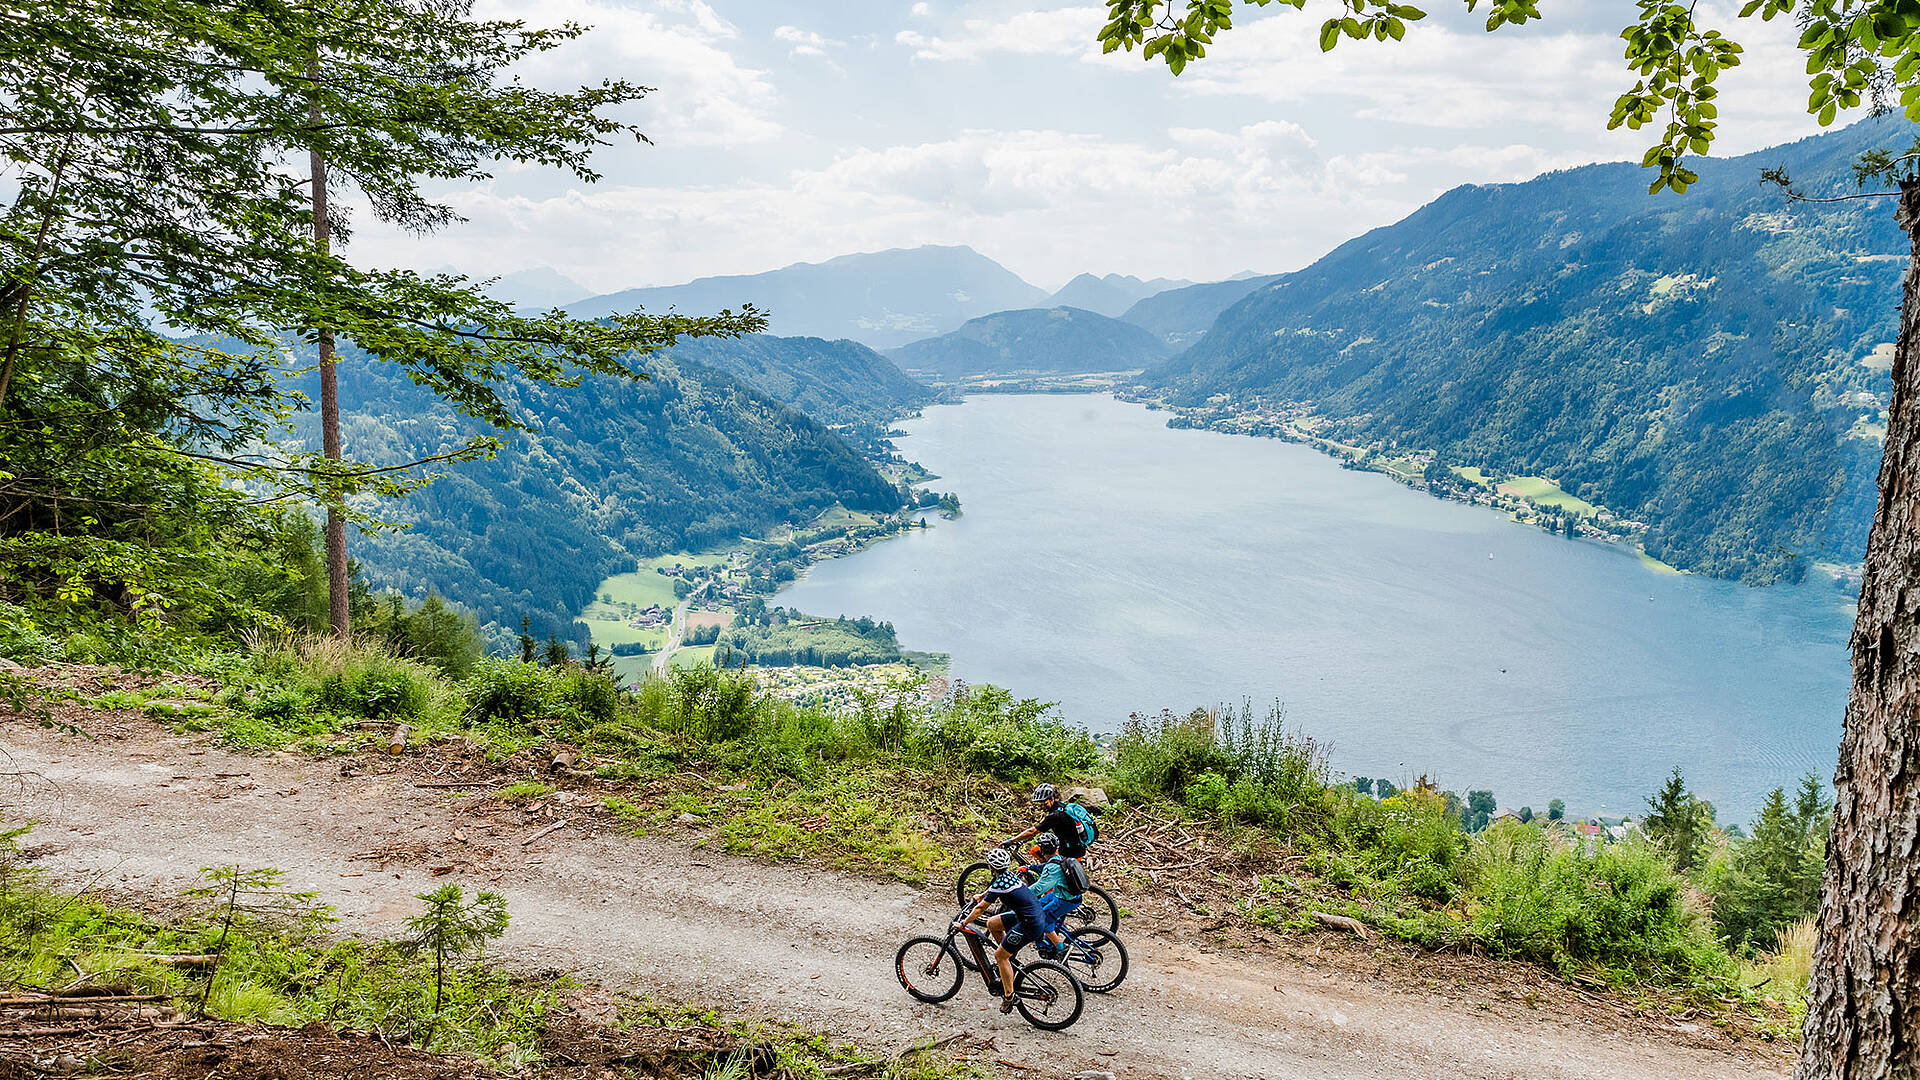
(1541, 490)
(137, 811)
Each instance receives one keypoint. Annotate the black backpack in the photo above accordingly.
(1074, 876)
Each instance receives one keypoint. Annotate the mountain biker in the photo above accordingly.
(1019, 921)
(1053, 887)
(1071, 824)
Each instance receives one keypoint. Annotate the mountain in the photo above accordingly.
(1180, 316)
(1035, 339)
(1714, 364)
(842, 384)
(617, 469)
(541, 288)
(1109, 295)
(882, 299)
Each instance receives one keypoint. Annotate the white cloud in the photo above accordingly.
(1048, 203)
(1062, 31)
(703, 95)
(921, 11)
(804, 42)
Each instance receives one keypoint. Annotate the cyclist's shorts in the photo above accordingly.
(1057, 907)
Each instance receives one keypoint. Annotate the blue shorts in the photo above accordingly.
(1057, 907)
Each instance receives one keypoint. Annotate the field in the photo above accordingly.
(1470, 474)
(839, 517)
(1541, 490)
(692, 656)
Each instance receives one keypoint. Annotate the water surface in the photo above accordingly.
(1114, 565)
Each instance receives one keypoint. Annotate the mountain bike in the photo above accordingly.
(1096, 957)
(1097, 908)
(1046, 993)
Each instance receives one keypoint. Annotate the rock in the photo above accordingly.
(1091, 797)
(688, 819)
(1093, 1074)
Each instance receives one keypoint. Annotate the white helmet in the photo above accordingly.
(999, 859)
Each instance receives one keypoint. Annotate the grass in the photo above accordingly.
(839, 517)
(645, 588)
(281, 967)
(1470, 474)
(691, 656)
(1782, 973)
(909, 789)
(1545, 492)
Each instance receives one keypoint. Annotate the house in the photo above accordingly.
(1501, 815)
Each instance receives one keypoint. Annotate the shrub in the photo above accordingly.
(1161, 755)
(986, 729)
(588, 695)
(710, 704)
(505, 690)
(22, 640)
(1542, 897)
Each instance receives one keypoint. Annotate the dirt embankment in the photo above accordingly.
(140, 811)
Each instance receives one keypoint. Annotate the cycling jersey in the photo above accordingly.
(1017, 901)
(1051, 878)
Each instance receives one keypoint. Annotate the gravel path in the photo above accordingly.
(144, 812)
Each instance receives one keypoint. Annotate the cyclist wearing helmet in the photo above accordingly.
(1056, 821)
(1057, 898)
(1018, 922)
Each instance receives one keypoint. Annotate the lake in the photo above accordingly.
(1114, 565)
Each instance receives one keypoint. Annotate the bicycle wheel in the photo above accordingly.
(973, 881)
(1097, 958)
(1096, 911)
(929, 968)
(1048, 995)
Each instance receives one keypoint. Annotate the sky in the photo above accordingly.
(791, 131)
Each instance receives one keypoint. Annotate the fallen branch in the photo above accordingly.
(1341, 922)
(555, 827)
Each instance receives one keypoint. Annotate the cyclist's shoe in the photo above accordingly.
(1006, 1004)
(1050, 951)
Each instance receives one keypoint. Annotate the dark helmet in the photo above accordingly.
(1044, 793)
(1047, 844)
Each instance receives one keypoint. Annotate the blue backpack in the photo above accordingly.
(1082, 820)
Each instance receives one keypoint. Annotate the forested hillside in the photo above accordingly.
(882, 298)
(839, 383)
(1714, 365)
(1034, 339)
(1180, 316)
(617, 469)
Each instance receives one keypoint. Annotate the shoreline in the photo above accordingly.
(1549, 507)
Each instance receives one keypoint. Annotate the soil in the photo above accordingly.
(139, 811)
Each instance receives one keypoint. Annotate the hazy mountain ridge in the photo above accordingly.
(1062, 340)
(880, 299)
(1182, 316)
(1109, 295)
(1704, 363)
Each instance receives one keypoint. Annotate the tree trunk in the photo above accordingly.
(338, 585)
(1863, 1008)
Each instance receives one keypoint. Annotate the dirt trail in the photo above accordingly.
(655, 915)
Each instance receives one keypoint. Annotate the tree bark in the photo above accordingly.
(338, 586)
(1863, 1008)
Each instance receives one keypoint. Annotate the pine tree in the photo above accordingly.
(1678, 821)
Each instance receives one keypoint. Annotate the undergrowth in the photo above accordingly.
(280, 965)
(914, 789)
